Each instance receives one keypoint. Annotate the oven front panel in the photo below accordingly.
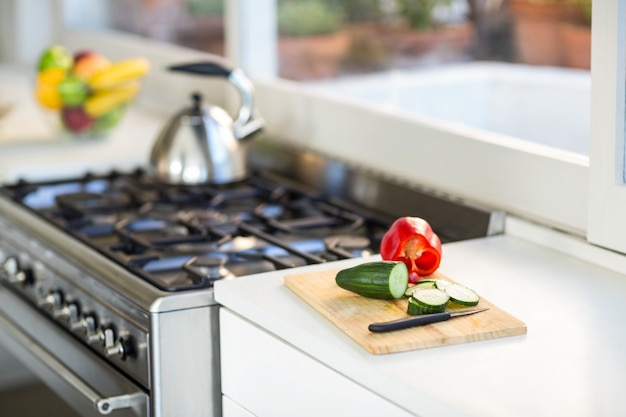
(75, 373)
(76, 302)
(64, 322)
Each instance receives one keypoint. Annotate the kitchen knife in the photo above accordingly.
(420, 320)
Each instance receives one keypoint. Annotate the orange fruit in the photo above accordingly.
(46, 88)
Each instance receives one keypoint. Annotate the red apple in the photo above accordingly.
(87, 63)
(76, 120)
(81, 54)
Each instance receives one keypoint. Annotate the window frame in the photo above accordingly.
(607, 188)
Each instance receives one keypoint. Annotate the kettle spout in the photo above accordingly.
(247, 130)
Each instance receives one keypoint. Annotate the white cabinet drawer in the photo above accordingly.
(270, 378)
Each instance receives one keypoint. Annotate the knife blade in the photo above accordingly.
(420, 320)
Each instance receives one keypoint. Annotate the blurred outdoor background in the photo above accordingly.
(320, 39)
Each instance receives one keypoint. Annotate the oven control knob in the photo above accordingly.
(52, 301)
(93, 333)
(14, 272)
(76, 321)
(67, 312)
(113, 347)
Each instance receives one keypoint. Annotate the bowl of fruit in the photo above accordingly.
(85, 92)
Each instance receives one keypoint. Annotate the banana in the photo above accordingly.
(102, 102)
(118, 73)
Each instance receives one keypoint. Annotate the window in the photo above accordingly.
(562, 188)
(330, 38)
(437, 59)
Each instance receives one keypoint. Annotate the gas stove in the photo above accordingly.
(185, 237)
(106, 280)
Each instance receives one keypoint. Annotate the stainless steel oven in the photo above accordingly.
(106, 281)
(106, 342)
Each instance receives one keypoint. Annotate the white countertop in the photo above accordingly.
(571, 362)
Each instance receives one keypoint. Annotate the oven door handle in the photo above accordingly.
(104, 405)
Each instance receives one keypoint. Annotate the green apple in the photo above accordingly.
(55, 57)
(109, 120)
(73, 90)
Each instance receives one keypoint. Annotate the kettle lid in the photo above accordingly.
(196, 104)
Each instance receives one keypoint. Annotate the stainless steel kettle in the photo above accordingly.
(200, 144)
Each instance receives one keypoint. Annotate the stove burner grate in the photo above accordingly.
(186, 237)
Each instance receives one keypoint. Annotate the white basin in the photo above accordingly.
(546, 105)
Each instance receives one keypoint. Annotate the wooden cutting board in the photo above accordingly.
(353, 313)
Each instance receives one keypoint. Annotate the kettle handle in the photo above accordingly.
(203, 68)
(246, 122)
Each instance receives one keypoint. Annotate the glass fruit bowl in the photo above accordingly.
(86, 93)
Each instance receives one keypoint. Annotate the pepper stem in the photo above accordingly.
(411, 251)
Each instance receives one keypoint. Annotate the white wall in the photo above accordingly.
(26, 28)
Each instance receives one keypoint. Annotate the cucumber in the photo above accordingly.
(462, 295)
(380, 279)
(427, 301)
(425, 283)
(409, 290)
(442, 283)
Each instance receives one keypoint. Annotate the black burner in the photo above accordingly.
(185, 237)
(207, 268)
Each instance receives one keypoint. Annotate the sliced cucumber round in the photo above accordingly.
(427, 301)
(462, 295)
(426, 283)
(442, 283)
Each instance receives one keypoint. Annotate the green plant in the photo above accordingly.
(205, 7)
(419, 13)
(307, 18)
(359, 10)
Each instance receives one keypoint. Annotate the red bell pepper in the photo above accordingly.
(412, 241)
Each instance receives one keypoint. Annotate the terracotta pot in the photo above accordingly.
(576, 45)
(535, 27)
(379, 47)
(312, 57)
(538, 28)
(453, 38)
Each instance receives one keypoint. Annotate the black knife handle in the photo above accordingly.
(410, 322)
